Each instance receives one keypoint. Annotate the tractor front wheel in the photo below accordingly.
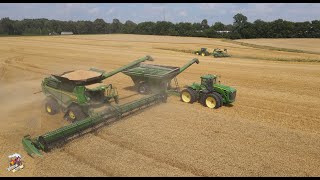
(51, 107)
(188, 95)
(75, 113)
(211, 101)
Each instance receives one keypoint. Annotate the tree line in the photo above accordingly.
(240, 29)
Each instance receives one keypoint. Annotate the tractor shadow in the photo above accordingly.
(228, 105)
(131, 88)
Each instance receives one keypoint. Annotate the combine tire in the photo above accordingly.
(188, 96)
(51, 107)
(143, 88)
(220, 98)
(211, 101)
(75, 113)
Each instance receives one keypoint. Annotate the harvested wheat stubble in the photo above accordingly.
(271, 130)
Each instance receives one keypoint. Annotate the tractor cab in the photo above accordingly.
(208, 81)
(203, 49)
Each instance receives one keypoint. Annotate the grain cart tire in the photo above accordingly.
(75, 113)
(51, 106)
(143, 88)
(188, 96)
(220, 97)
(211, 101)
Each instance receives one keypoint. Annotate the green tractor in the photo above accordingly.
(202, 52)
(219, 53)
(209, 93)
(81, 93)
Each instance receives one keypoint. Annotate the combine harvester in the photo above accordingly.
(156, 77)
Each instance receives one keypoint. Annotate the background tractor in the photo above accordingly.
(219, 53)
(81, 93)
(202, 52)
(209, 93)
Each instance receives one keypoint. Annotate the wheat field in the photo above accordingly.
(272, 129)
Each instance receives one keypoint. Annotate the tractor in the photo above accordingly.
(209, 93)
(219, 53)
(202, 52)
(81, 93)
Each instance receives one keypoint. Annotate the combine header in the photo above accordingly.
(45, 142)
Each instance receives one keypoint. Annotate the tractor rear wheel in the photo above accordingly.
(203, 54)
(188, 95)
(51, 107)
(75, 113)
(220, 97)
(211, 101)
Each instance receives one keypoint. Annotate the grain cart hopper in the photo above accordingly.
(202, 52)
(153, 78)
(219, 53)
(47, 141)
(80, 93)
(209, 93)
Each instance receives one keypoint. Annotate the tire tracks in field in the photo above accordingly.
(85, 161)
(176, 164)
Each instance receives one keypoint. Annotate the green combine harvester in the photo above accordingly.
(219, 53)
(209, 93)
(81, 93)
(149, 78)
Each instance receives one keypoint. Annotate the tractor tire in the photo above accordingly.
(211, 101)
(51, 106)
(220, 97)
(143, 88)
(75, 113)
(188, 96)
(197, 53)
(203, 54)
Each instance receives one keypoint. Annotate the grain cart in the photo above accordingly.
(81, 93)
(202, 52)
(152, 78)
(219, 53)
(209, 93)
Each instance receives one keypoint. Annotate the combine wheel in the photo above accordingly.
(188, 95)
(143, 88)
(211, 101)
(51, 107)
(220, 98)
(75, 113)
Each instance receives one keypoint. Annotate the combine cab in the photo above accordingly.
(219, 53)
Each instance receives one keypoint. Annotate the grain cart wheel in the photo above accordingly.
(51, 107)
(75, 113)
(197, 53)
(211, 101)
(220, 98)
(188, 95)
(143, 88)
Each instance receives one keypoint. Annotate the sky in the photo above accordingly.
(173, 12)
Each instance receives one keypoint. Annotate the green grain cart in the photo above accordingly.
(219, 53)
(81, 93)
(209, 93)
(154, 78)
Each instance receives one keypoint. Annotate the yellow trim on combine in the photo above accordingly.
(71, 95)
